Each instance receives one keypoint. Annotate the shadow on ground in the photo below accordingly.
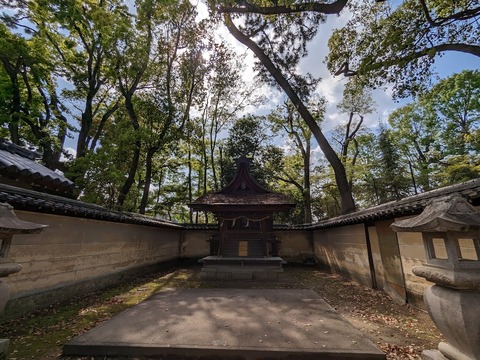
(401, 331)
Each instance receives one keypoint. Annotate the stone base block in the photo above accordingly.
(433, 355)
(220, 268)
(457, 316)
(245, 273)
(4, 343)
(227, 324)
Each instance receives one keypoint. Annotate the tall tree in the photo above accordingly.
(356, 103)
(287, 119)
(226, 95)
(417, 132)
(30, 105)
(147, 59)
(439, 132)
(393, 182)
(456, 103)
(279, 46)
(101, 173)
(247, 137)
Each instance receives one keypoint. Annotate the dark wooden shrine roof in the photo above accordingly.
(242, 193)
(18, 166)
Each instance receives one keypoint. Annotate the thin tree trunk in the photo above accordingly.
(148, 180)
(104, 120)
(306, 192)
(413, 178)
(131, 174)
(86, 124)
(160, 180)
(189, 177)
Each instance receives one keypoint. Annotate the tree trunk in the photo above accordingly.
(86, 124)
(313, 6)
(131, 174)
(148, 180)
(347, 202)
(307, 196)
(104, 120)
(190, 185)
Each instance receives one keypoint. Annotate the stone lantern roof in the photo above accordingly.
(441, 215)
(10, 224)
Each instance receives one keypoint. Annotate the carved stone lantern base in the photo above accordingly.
(456, 315)
(4, 343)
(4, 294)
(10, 225)
(454, 302)
(5, 270)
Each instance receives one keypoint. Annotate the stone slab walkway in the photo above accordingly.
(227, 324)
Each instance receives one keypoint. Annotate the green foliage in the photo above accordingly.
(438, 134)
(30, 109)
(247, 137)
(284, 38)
(100, 173)
(458, 168)
(393, 183)
(455, 102)
(151, 92)
(398, 46)
(295, 174)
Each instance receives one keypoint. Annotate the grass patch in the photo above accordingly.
(42, 333)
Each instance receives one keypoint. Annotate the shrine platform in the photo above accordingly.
(241, 268)
(215, 324)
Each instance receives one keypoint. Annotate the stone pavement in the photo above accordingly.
(227, 324)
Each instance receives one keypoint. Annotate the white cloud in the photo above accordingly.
(202, 10)
(317, 155)
(70, 151)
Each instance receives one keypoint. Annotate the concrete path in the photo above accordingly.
(227, 324)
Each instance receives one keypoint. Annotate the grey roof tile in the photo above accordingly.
(16, 162)
(29, 200)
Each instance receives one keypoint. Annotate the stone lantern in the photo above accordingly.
(450, 228)
(10, 225)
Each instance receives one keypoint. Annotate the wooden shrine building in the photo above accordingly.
(245, 246)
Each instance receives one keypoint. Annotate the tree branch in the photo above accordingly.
(459, 16)
(465, 48)
(332, 8)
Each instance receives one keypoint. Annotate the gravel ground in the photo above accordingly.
(401, 331)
